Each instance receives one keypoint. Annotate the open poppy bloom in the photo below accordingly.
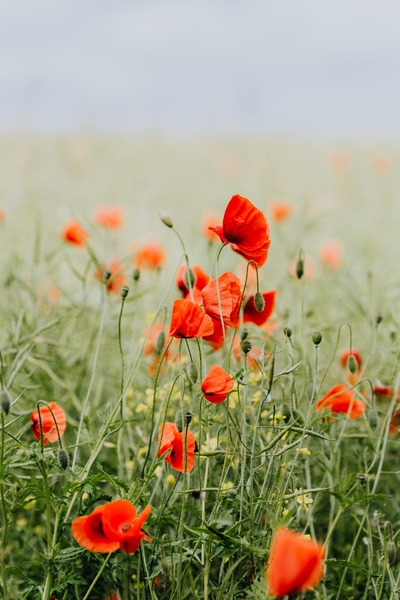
(189, 320)
(73, 233)
(181, 447)
(149, 256)
(280, 210)
(251, 314)
(48, 429)
(227, 305)
(216, 385)
(115, 279)
(296, 563)
(246, 229)
(111, 526)
(199, 280)
(340, 399)
(109, 217)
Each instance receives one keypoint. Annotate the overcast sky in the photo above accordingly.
(269, 67)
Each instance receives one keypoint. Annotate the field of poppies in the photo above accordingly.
(199, 369)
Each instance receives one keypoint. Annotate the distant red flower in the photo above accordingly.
(340, 399)
(189, 320)
(223, 300)
(176, 442)
(149, 256)
(111, 526)
(49, 430)
(209, 221)
(113, 276)
(330, 253)
(73, 233)
(385, 391)
(109, 217)
(216, 385)
(251, 314)
(280, 210)
(2, 215)
(246, 229)
(200, 279)
(296, 563)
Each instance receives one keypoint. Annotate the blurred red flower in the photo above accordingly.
(340, 399)
(149, 256)
(208, 222)
(111, 526)
(200, 279)
(73, 233)
(176, 443)
(217, 384)
(113, 276)
(280, 210)
(189, 320)
(296, 563)
(251, 314)
(109, 217)
(246, 229)
(49, 429)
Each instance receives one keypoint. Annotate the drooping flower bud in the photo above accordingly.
(300, 266)
(373, 419)
(5, 401)
(391, 552)
(136, 275)
(352, 364)
(160, 341)
(288, 332)
(182, 419)
(124, 291)
(193, 372)
(63, 458)
(166, 219)
(259, 301)
(316, 338)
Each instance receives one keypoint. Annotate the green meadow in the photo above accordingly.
(268, 456)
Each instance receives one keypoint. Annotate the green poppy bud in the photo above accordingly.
(316, 338)
(352, 364)
(245, 346)
(299, 268)
(63, 458)
(193, 372)
(182, 420)
(373, 419)
(259, 302)
(124, 292)
(166, 219)
(288, 332)
(243, 334)
(160, 341)
(136, 275)
(5, 401)
(190, 278)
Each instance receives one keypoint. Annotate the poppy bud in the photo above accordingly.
(63, 458)
(106, 276)
(373, 419)
(136, 275)
(288, 332)
(182, 420)
(316, 338)
(219, 458)
(391, 552)
(245, 346)
(189, 278)
(124, 291)
(5, 401)
(243, 334)
(259, 301)
(352, 364)
(378, 318)
(160, 341)
(362, 478)
(300, 267)
(165, 565)
(166, 219)
(193, 372)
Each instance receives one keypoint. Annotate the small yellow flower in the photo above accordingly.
(171, 480)
(304, 451)
(284, 512)
(303, 501)
(130, 464)
(142, 408)
(129, 394)
(158, 471)
(227, 485)
(30, 502)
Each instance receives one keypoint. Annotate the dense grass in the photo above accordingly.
(265, 453)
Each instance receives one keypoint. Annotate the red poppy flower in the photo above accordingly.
(216, 385)
(200, 280)
(296, 563)
(49, 430)
(246, 229)
(228, 302)
(149, 256)
(251, 314)
(109, 217)
(340, 399)
(189, 320)
(384, 391)
(176, 442)
(330, 253)
(111, 526)
(74, 233)
(117, 278)
(2, 215)
(280, 210)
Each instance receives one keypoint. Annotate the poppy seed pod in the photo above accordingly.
(63, 458)
(166, 219)
(5, 401)
(124, 291)
(259, 301)
(316, 338)
(245, 346)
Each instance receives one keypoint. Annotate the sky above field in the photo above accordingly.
(314, 68)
